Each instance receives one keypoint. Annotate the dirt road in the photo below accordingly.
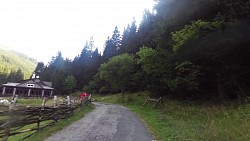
(108, 122)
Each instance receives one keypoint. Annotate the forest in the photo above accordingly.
(184, 49)
(15, 66)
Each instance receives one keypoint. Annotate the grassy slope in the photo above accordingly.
(188, 121)
(10, 60)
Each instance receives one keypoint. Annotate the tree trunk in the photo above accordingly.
(242, 94)
(220, 87)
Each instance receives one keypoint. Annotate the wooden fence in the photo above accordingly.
(14, 119)
(156, 101)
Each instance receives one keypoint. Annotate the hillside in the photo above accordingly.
(11, 61)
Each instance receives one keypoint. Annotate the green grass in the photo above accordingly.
(181, 121)
(32, 101)
(44, 133)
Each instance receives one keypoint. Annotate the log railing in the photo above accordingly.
(13, 120)
(155, 101)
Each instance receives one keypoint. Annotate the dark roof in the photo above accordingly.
(48, 83)
(37, 83)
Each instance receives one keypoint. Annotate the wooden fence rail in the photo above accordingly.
(156, 101)
(14, 120)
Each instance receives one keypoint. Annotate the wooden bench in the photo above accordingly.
(160, 100)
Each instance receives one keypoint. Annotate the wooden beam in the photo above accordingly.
(160, 100)
(3, 92)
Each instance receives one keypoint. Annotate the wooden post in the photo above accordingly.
(29, 92)
(55, 101)
(43, 104)
(42, 93)
(89, 98)
(8, 126)
(146, 100)
(154, 100)
(55, 107)
(13, 103)
(3, 92)
(14, 92)
(160, 100)
(51, 92)
(68, 101)
(41, 114)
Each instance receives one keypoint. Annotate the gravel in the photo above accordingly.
(108, 122)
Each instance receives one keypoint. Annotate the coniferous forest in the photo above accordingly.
(185, 49)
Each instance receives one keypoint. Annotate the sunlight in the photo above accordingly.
(41, 28)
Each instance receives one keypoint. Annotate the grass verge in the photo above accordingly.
(181, 121)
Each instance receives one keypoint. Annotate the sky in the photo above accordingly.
(41, 28)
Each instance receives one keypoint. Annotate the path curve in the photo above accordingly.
(107, 122)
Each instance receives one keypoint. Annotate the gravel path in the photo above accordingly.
(108, 122)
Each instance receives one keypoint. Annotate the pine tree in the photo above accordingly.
(129, 43)
(116, 38)
(112, 45)
(145, 33)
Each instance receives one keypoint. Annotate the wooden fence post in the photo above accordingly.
(41, 114)
(68, 101)
(44, 102)
(146, 100)
(11, 108)
(55, 101)
(160, 100)
(155, 100)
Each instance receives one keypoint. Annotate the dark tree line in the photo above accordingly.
(184, 49)
(13, 76)
(70, 75)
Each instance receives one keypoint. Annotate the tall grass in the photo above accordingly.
(181, 121)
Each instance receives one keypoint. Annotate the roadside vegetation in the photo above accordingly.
(46, 132)
(43, 134)
(194, 53)
(185, 120)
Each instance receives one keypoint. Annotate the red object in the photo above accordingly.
(83, 95)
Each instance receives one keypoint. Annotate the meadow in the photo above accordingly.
(186, 120)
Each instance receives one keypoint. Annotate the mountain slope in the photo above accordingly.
(13, 60)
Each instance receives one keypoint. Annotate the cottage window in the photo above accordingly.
(30, 85)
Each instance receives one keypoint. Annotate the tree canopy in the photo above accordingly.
(183, 49)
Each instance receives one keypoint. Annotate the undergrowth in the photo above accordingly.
(179, 121)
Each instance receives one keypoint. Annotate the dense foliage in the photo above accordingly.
(184, 49)
(119, 72)
(14, 66)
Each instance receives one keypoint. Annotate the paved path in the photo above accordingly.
(108, 122)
